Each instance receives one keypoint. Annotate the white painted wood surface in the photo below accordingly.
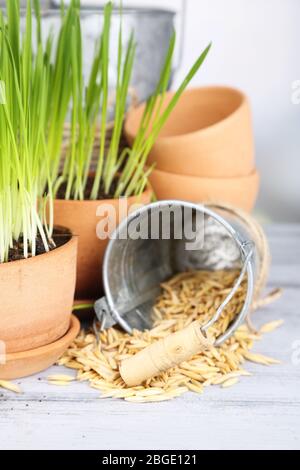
(261, 412)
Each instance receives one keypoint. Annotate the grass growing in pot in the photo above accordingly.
(89, 115)
(118, 173)
(22, 139)
(35, 98)
(38, 291)
(82, 186)
(90, 111)
(59, 90)
(153, 120)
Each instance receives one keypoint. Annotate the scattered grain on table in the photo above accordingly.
(271, 326)
(230, 382)
(186, 297)
(60, 378)
(10, 386)
(60, 383)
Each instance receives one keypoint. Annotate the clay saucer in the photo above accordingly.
(22, 364)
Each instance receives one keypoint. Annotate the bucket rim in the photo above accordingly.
(241, 243)
(87, 11)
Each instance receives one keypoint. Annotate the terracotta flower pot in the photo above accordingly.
(240, 192)
(209, 133)
(37, 298)
(82, 218)
(22, 364)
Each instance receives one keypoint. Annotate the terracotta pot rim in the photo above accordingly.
(100, 201)
(74, 326)
(34, 259)
(253, 174)
(204, 130)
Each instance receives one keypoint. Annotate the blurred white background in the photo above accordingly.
(256, 47)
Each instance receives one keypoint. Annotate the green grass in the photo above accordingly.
(44, 85)
(90, 110)
(125, 169)
(22, 136)
(133, 178)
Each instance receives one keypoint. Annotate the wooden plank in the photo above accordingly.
(261, 412)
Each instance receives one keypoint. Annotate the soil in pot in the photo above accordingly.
(88, 189)
(60, 237)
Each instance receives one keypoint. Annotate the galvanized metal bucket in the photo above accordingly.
(136, 262)
(153, 28)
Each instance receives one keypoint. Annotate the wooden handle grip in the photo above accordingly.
(164, 354)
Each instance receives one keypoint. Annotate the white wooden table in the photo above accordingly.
(261, 412)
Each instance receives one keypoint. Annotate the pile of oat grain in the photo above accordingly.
(185, 298)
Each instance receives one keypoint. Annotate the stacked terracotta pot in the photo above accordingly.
(205, 151)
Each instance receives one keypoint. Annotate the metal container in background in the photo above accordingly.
(134, 267)
(152, 27)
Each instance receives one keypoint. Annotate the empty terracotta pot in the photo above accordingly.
(209, 133)
(85, 218)
(37, 298)
(240, 192)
